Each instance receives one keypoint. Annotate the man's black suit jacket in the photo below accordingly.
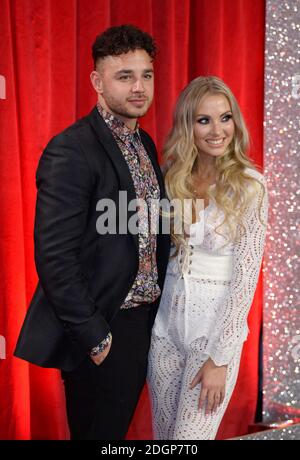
(84, 277)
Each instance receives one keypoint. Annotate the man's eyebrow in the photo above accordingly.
(208, 116)
(128, 71)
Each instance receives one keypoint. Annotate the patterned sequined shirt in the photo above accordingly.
(145, 288)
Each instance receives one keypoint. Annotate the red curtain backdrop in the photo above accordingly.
(45, 57)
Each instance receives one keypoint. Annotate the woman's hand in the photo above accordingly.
(212, 379)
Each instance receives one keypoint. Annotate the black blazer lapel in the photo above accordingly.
(107, 141)
(110, 146)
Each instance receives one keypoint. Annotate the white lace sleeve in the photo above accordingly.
(247, 257)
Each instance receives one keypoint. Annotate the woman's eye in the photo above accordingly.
(202, 121)
(227, 117)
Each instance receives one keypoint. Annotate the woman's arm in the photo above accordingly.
(231, 320)
(247, 258)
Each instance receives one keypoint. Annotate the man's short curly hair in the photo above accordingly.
(120, 40)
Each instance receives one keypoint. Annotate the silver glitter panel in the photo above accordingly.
(290, 433)
(281, 345)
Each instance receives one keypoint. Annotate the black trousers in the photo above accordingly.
(101, 399)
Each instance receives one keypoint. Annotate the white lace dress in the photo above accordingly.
(203, 313)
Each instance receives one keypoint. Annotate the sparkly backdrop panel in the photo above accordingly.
(282, 160)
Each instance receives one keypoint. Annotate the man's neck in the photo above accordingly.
(130, 123)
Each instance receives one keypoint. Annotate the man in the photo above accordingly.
(93, 309)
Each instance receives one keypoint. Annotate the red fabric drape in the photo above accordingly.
(45, 59)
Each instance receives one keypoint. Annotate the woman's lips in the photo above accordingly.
(215, 142)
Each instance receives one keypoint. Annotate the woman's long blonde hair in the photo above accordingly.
(180, 154)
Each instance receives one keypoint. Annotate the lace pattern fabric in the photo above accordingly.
(203, 313)
(174, 406)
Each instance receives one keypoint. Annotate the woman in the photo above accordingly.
(212, 274)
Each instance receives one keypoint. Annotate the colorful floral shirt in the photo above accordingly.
(145, 288)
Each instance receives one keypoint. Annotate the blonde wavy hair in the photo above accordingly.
(231, 193)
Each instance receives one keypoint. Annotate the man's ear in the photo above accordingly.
(96, 81)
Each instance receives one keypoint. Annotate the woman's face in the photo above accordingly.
(214, 127)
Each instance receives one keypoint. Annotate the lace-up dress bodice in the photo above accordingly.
(210, 284)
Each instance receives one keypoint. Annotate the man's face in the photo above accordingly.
(125, 85)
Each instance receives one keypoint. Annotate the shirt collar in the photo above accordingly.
(116, 125)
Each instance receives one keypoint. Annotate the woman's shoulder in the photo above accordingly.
(255, 174)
